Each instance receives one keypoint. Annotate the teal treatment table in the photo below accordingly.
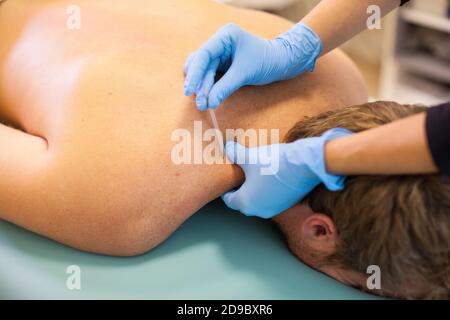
(217, 254)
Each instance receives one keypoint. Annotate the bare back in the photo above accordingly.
(99, 106)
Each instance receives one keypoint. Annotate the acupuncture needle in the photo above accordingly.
(217, 131)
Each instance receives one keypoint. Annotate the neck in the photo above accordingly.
(263, 112)
(256, 116)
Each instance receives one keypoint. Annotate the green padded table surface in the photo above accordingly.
(217, 254)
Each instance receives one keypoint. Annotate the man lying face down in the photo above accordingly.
(398, 223)
(88, 150)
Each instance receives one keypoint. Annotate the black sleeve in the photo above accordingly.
(438, 134)
(403, 2)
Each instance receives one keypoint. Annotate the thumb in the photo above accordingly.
(226, 86)
(232, 200)
(237, 153)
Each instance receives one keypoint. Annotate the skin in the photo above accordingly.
(312, 237)
(368, 152)
(89, 161)
(345, 19)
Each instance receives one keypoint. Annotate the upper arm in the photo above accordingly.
(21, 157)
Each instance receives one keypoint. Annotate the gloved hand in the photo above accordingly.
(280, 176)
(248, 60)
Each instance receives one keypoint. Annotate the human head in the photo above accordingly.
(399, 223)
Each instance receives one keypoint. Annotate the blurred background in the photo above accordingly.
(408, 60)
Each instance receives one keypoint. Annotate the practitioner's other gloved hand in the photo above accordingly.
(248, 60)
(280, 176)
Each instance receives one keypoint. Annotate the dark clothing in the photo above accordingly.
(438, 135)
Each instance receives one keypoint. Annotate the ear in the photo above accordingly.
(320, 234)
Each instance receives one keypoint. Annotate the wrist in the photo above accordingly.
(332, 181)
(303, 162)
(304, 45)
(335, 156)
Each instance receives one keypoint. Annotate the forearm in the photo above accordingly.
(336, 21)
(400, 147)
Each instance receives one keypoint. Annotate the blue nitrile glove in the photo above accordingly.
(279, 176)
(248, 60)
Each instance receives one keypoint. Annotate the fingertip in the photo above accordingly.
(228, 199)
(201, 103)
(188, 88)
(225, 197)
(214, 102)
(230, 143)
(230, 150)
